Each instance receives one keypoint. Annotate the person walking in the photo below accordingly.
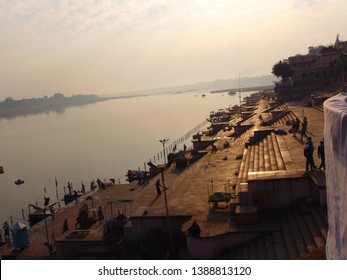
(308, 153)
(321, 155)
(304, 128)
(158, 186)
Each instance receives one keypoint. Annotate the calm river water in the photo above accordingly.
(100, 140)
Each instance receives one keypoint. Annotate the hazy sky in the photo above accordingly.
(105, 47)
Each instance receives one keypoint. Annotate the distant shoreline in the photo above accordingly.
(244, 89)
(10, 108)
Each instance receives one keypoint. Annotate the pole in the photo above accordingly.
(167, 212)
(163, 141)
(46, 227)
(164, 152)
(56, 192)
(240, 95)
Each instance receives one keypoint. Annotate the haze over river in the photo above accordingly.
(100, 140)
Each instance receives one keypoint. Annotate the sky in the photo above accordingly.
(113, 46)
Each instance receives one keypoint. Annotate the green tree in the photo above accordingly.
(282, 69)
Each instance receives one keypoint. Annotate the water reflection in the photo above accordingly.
(102, 140)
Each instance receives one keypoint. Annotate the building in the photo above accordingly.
(318, 69)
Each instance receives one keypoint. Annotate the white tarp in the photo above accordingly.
(335, 144)
(18, 226)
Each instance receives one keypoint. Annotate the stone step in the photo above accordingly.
(270, 247)
(241, 170)
(296, 232)
(261, 156)
(315, 232)
(246, 167)
(239, 253)
(251, 160)
(292, 249)
(280, 246)
(273, 162)
(305, 230)
(324, 215)
(287, 158)
(262, 253)
(254, 250)
(246, 251)
(299, 234)
(267, 164)
(278, 156)
(320, 222)
(256, 157)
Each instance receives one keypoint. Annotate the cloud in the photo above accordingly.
(111, 45)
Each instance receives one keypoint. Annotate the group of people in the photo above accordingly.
(296, 128)
(308, 153)
(101, 217)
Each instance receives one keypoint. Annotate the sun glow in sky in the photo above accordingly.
(105, 47)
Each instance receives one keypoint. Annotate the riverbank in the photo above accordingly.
(195, 192)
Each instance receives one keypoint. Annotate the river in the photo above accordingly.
(100, 140)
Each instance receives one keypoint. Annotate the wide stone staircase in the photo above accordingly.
(269, 153)
(303, 232)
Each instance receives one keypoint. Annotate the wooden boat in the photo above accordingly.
(19, 182)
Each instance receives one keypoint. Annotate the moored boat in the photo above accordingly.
(19, 182)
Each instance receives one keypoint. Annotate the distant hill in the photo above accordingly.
(222, 84)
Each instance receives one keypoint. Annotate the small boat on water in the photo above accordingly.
(19, 182)
(231, 92)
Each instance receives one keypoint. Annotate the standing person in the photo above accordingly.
(184, 147)
(304, 128)
(6, 229)
(297, 122)
(321, 155)
(294, 127)
(65, 226)
(76, 197)
(100, 214)
(158, 186)
(69, 187)
(83, 188)
(92, 185)
(308, 153)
